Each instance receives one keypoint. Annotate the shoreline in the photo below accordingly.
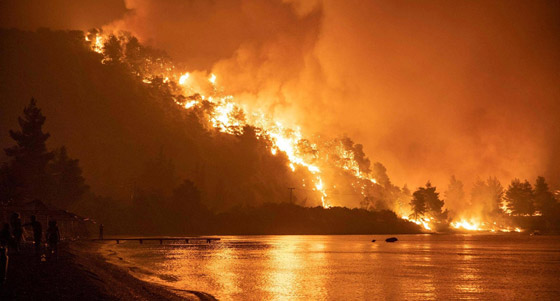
(80, 272)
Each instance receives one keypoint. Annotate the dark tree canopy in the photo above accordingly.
(34, 172)
(30, 157)
(426, 201)
(519, 198)
(544, 199)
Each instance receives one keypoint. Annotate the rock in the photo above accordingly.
(391, 239)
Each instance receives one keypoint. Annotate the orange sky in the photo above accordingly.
(431, 88)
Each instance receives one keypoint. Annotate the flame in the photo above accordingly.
(183, 79)
(422, 221)
(225, 115)
(477, 225)
(466, 225)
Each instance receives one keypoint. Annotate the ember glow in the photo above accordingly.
(315, 156)
(227, 116)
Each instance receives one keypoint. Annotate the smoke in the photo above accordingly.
(59, 14)
(430, 89)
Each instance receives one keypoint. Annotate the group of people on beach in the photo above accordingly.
(12, 234)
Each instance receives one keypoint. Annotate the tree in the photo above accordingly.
(426, 200)
(495, 192)
(69, 185)
(544, 199)
(488, 194)
(113, 49)
(29, 157)
(455, 194)
(519, 198)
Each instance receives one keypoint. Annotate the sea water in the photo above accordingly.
(352, 267)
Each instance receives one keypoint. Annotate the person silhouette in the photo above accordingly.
(17, 230)
(37, 232)
(5, 235)
(53, 237)
(101, 231)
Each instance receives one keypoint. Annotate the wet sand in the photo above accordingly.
(80, 273)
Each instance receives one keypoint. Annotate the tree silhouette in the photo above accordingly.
(426, 200)
(519, 198)
(29, 157)
(418, 202)
(69, 185)
(544, 199)
(113, 49)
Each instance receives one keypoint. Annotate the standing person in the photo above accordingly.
(5, 236)
(5, 240)
(37, 232)
(101, 231)
(17, 230)
(53, 237)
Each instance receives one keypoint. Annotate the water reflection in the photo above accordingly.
(352, 267)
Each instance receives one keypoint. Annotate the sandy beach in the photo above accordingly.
(79, 273)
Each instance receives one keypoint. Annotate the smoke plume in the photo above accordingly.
(430, 89)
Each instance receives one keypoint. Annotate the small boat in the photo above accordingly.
(536, 232)
(391, 239)
(373, 240)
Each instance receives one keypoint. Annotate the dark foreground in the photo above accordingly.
(79, 274)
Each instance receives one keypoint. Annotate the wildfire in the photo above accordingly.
(227, 116)
(476, 225)
(183, 78)
(422, 221)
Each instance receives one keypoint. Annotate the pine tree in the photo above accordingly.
(544, 199)
(69, 185)
(418, 202)
(519, 198)
(495, 192)
(426, 200)
(29, 157)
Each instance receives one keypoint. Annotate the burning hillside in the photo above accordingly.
(333, 172)
(234, 153)
(323, 162)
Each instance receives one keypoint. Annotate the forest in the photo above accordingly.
(146, 166)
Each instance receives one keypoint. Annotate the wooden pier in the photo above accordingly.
(161, 239)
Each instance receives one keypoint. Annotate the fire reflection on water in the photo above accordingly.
(352, 267)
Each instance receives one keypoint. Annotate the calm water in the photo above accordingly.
(497, 267)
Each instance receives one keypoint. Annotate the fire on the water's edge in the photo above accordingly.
(230, 118)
